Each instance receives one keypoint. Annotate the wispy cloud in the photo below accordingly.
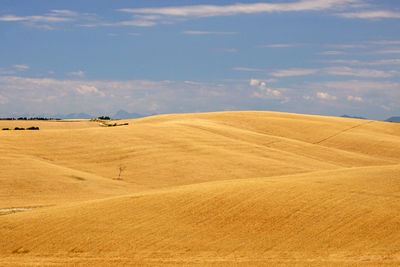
(347, 46)
(280, 45)
(371, 14)
(45, 21)
(47, 18)
(227, 50)
(336, 71)
(6, 71)
(248, 69)
(363, 63)
(347, 71)
(293, 72)
(64, 12)
(134, 22)
(387, 51)
(201, 11)
(21, 67)
(228, 10)
(79, 73)
(208, 33)
(331, 52)
(386, 42)
(361, 86)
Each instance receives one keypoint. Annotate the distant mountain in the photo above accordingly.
(394, 119)
(353, 117)
(123, 114)
(74, 116)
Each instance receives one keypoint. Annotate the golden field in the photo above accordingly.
(219, 189)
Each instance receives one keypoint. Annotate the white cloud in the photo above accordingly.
(325, 96)
(21, 67)
(354, 98)
(372, 14)
(77, 73)
(88, 89)
(293, 72)
(254, 82)
(369, 92)
(208, 33)
(264, 91)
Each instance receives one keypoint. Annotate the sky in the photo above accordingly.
(326, 57)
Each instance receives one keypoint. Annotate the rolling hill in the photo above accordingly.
(226, 188)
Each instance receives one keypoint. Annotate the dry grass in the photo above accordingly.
(229, 188)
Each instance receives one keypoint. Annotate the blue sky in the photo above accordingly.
(328, 57)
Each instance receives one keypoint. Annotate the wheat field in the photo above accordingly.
(207, 189)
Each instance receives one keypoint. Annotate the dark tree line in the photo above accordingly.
(21, 128)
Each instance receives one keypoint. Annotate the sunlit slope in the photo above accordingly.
(343, 216)
(29, 182)
(172, 150)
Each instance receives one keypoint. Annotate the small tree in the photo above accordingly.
(121, 169)
(104, 118)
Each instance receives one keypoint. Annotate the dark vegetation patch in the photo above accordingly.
(78, 178)
(20, 250)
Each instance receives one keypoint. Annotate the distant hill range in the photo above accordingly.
(391, 119)
(123, 114)
(73, 116)
(120, 114)
(353, 117)
(394, 119)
